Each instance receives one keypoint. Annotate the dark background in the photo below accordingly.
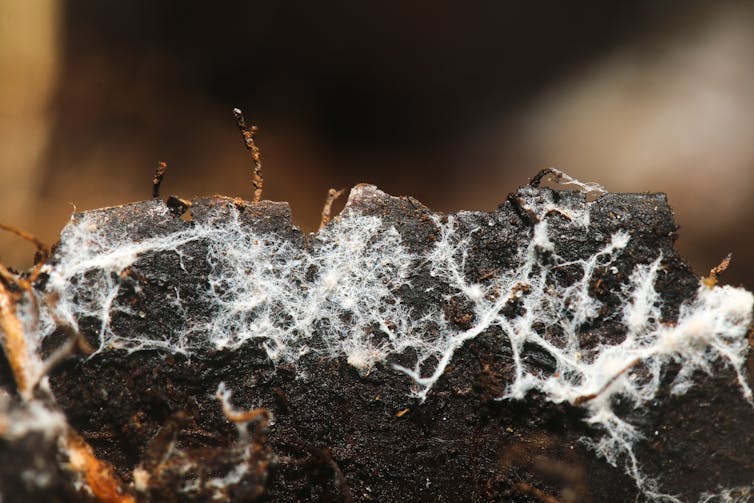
(453, 103)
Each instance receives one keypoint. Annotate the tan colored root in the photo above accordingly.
(332, 196)
(98, 475)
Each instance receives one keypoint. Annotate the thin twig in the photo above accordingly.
(248, 134)
(159, 173)
(332, 196)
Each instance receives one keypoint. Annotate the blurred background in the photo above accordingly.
(455, 104)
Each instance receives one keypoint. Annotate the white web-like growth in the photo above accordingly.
(340, 297)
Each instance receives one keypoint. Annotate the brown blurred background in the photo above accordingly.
(456, 104)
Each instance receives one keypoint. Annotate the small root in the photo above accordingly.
(98, 475)
(241, 418)
(248, 134)
(332, 196)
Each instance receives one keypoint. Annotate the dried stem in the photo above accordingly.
(159, 174)
(332, 196)
(248, 134)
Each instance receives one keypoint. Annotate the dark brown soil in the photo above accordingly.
(341, 436)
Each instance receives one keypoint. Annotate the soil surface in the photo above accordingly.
(338, 435)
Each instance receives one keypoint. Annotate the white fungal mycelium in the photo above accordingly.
(339, 297)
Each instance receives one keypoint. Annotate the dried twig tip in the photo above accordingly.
(248, 134)
(332, 196)
(159, 174)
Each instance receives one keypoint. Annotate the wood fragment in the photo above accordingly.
(159, 174)
(248, 133)
(332, 196)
